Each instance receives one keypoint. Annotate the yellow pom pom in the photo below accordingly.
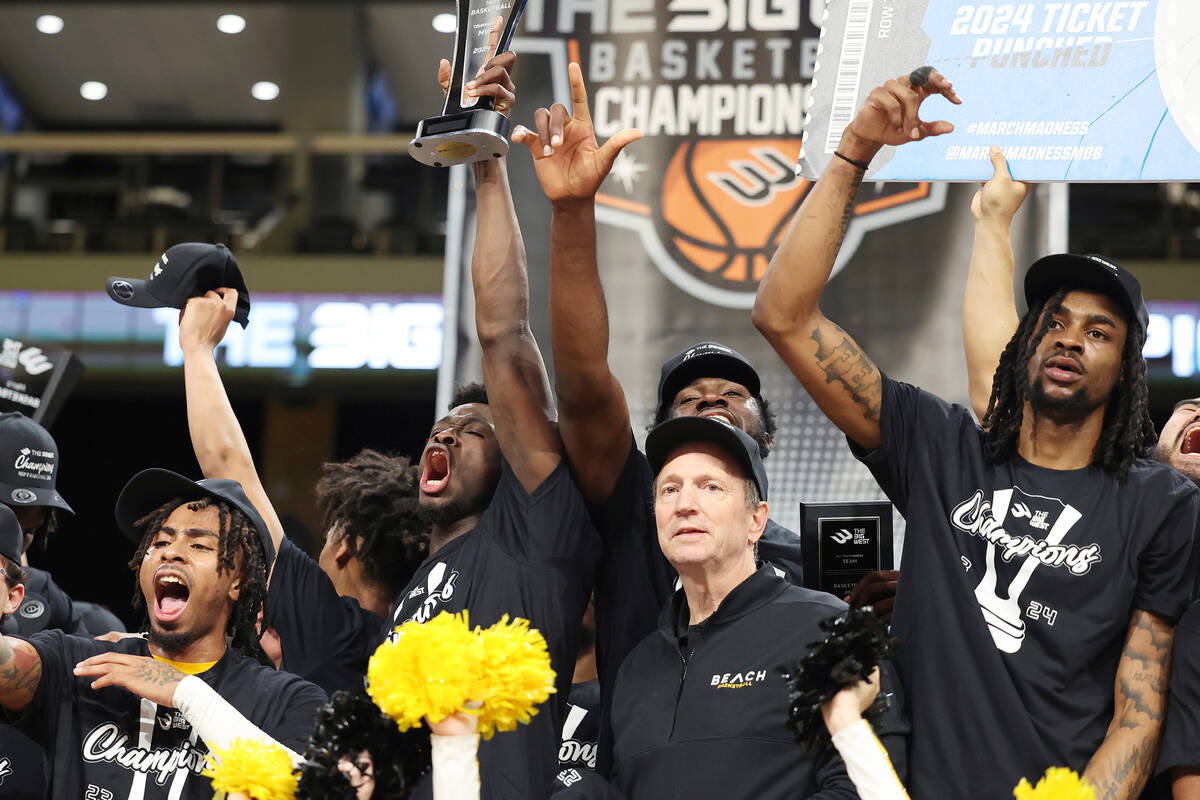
(427, 669)
(516, 675)
(260, 769)
(1059, 783)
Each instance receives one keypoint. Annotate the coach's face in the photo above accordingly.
(187, 597)
(460, 465)
(1078, 362)
(1179, 443)
(701, 511)
(718, 397)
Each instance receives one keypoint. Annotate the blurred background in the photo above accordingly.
(280, 129)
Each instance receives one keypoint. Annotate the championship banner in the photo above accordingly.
(1071, 90)
(36, 379)
(691, 214)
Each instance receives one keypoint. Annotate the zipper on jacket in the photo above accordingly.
(683, 663)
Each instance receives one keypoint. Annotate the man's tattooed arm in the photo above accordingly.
(1125, 760)
(833, 368)
(20, 673)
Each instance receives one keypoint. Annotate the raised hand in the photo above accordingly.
(569, 163)
(494, 78)
(1000, 198)
(890, 115)
(144, 676)
(204, 320)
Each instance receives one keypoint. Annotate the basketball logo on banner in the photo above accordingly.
(719, 87)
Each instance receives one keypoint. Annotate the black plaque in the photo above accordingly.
(35, 379)
(843, 542)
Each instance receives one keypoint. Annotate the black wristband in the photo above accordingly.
(860, 164)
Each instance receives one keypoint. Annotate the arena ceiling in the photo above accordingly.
(166, 65)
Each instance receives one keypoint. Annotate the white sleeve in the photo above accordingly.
(455, 767)
(867, 763)
(216, 721)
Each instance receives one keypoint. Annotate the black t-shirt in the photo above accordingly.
(1019, 582)
(45, 607)
(22, 766)
(581, 728)
(530, 556)
(1181, 738)
(634, 579)
(326, 638)
(111, 743)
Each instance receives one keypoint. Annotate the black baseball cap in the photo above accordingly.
(28, 464)
(667, 436)
(185, 271)
(1097, 273)
(150, 488)
(703, 360)
(12, 538)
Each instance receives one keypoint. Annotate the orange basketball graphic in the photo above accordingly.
(726, 203)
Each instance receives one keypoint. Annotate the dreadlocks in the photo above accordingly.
(1127, 431)
(374, 501)
(238, 542)
(347, 725)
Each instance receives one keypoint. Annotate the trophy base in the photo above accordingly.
(476, 134)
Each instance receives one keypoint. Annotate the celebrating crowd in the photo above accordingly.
(671, 604)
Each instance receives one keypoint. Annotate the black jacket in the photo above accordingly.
(701, 711)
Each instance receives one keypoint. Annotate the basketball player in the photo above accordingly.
(707, 379)
(1049, 561)
(989, 318)
(201, 573)
(328, 613)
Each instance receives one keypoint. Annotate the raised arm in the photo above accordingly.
(20, 673)
(593, 415)
(834, 370)
(989, 307)
(216, 435)
(1125, 760)
(518, 389)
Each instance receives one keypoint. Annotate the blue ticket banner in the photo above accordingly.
(1072, 90)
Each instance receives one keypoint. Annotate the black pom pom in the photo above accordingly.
(347, 725)
(853, 646)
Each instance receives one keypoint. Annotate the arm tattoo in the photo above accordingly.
(21, 673)
(1126, 759)
(157, 673)
(850, 366)
(848, 209)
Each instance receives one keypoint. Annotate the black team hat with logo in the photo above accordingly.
(185, 271)
(150, 488)
(28, 464)
(704, 360)
(1051, 273)
(669, 436)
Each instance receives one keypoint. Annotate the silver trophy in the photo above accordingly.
(469, 128)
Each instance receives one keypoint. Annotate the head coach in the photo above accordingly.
(700, 705)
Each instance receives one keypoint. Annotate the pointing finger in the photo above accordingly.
(579, 98)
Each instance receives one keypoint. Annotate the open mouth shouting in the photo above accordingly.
(1062, 369)
(1189, 442)
(436, 473)
(171, 593)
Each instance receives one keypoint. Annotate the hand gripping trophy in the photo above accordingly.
(470, 128)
